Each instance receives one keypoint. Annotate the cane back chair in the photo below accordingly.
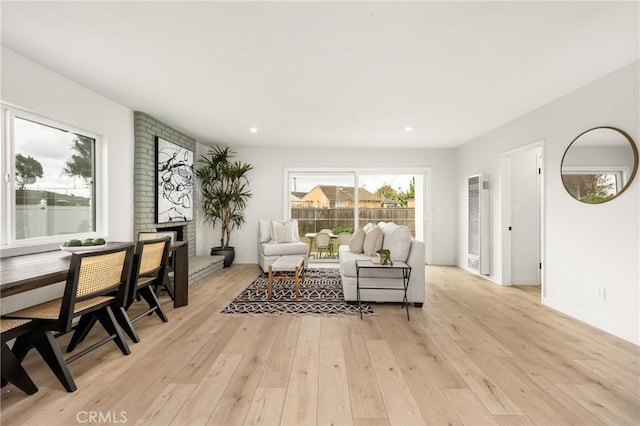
(12, 370)
(96, 282)
(154, 235)
(149, 269)
(150, 266)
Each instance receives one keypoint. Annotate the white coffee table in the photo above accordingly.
(283, 268)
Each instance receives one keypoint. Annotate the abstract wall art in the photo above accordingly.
(174, 182)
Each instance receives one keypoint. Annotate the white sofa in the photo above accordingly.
(269, 251)
(384, 278)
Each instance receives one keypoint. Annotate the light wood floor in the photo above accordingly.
(476, 353)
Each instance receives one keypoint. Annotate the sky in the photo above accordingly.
(52, 148)
(306, 182)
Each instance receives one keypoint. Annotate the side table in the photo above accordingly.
(401, 267)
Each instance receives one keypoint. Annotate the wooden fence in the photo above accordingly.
(315, 219)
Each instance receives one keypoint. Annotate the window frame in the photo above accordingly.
(621, 173)
(422, 200)
(9, 246)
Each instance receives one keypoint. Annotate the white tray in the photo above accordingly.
(77, 249)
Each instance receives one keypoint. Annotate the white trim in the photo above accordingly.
(356, 200)
(11, 247)
(427, 215)
(421, 226)
(615, 169)
(7, 225)
(540, 215)
(505, 213)
(526, 280)
(504, 222)
(620, 172)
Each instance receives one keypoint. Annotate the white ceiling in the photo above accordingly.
(330, 74)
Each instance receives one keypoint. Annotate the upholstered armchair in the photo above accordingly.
(279, 238)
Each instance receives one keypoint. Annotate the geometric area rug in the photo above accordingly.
(320, 294)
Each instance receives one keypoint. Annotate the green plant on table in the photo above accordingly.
(85, 243)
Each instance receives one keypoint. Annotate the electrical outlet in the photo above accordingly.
(601, 294)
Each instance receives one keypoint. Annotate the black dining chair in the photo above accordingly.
(165, 285)
(12, 370)
(91, 294)
(150, 266)
(149, 269)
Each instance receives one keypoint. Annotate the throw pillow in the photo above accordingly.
(372, 241)
(397, 239)
(284, 231)
(356, 243)
(368, 227)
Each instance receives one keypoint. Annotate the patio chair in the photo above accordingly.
(323, 243)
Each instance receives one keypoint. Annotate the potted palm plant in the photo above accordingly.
(225, 192)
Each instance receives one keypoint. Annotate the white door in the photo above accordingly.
(524, 218)
(522, 196)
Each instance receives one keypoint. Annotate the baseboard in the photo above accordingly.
(525, 281)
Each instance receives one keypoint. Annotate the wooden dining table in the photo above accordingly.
(19, 274)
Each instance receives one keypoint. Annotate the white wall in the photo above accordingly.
(40, 90)
(267, 185)
(586, 246)
(599, 156)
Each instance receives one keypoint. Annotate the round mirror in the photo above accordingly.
(599, 165)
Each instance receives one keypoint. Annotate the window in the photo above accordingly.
(322, 201)
(595, 184)
(49, 191)
(342, 200)
(388, 198)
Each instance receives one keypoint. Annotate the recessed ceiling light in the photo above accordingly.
(253, 130)
(408, 129)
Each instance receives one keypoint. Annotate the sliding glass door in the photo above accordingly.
(322, 201)
(387, 198)
(338, 202)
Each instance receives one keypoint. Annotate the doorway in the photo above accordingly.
(522, 193)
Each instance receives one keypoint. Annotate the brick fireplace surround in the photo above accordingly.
(147, 129)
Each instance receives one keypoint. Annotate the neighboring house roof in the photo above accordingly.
(345, 193)
(297, 195)
(299, 200)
